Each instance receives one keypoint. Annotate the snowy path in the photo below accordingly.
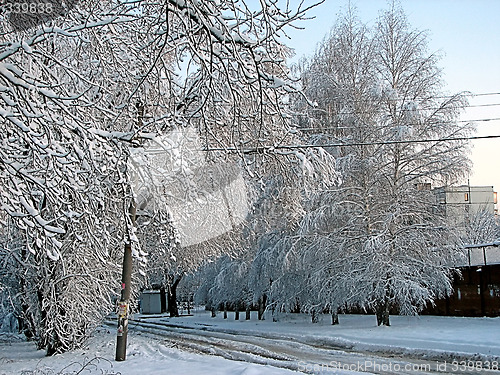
(290, 352)
(146, 354)
(200, 345)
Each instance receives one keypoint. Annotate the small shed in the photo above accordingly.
(151, 302)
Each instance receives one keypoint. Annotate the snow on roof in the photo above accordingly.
(483, 254)
(481, 245)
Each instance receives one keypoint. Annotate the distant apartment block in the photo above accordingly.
(461, 202)
(476, 290)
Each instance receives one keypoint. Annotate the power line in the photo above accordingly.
(272, 149)
(482, 105)
(464, 93)
(400, 110)
(481, 119)
(378, 143)
(487, 94)
(416, 109)
(320, 128)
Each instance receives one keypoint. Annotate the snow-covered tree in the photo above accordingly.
(380, 98)
(481, 227)
(54, 188)
(78, 90)
(168, 262)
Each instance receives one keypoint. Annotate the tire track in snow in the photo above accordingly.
(298, 354)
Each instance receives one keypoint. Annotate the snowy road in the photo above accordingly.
(292, 352)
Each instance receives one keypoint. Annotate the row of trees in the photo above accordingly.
(331, 166)
(377, 240)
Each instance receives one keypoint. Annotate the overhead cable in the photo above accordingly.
(272, 149)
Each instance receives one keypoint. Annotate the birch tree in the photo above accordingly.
(388, 248)
(481, 227)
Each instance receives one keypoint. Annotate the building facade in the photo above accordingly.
(477, 283)
(461, 202)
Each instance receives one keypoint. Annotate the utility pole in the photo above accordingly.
(123, 306)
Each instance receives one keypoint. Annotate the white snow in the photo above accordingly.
(418, 334)
(431, 338)
(144, 356)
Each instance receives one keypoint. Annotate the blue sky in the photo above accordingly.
(466, 32)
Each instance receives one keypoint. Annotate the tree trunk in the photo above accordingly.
(172, 296)
(225, 310)
(163, 299)
(247, 312)
(314, 316)
(382, 311)
(53, 345)
(122, 331)
(237, 311)
(335, 317)
(262, 307)
(26, 320)
(42, 324)
(275, 314)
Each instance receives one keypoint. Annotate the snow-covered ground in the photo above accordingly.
(432, 335)
(145, 355)
(200, 344)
